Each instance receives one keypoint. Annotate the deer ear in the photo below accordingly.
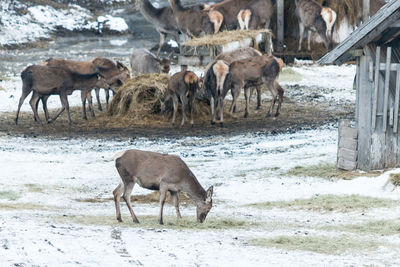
(210, 193)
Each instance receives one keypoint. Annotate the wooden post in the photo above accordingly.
(280, 28)
(387, 80)
(376, 81)
(364, 118)
(396, 101)
(366, 10)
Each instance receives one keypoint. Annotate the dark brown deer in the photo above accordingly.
(182, 86)
(143, 61)
(229, 10)
(214, 84)
(163, 20)
(160, 172)
(257, 14)
(255, 71)
(193, 23)
(314, 18)
(45, 81)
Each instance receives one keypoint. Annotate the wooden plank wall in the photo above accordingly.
(347, 146)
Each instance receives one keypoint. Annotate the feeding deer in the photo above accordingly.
(254, 72)
(161, 172)
(314, 18)
(193, 22)
(182, 85)
(143, 61)
(44, 81)
(114, 74)
(257, 14)
(214, 82)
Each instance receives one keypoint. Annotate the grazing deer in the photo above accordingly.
(257, 14)
(45, 81)
(161, 172)
(252, 72)
(163, 20)
(114, 74)
(193, 23)
(214, 82)
(182, 85)
(313, 17)
(143, 61)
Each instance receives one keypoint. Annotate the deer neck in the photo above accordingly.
(148, 10)
(195, 191)
(85, 80)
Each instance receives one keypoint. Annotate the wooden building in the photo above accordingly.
(375, 46)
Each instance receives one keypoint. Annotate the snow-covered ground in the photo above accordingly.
(20, 24)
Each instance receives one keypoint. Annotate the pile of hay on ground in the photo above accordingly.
(139, 96)
(224, 37)
(394, 179)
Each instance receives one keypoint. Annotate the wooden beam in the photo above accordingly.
(366, 10)
(396, 101)
(387, 80)
(376, 87)
(280, 25)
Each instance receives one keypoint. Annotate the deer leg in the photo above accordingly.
(221, 110)
(258, 88)
(280, 92)
(98, 99)
(309, 33)
(175, 201)
(21, 101)
(236, 92)
(90, 102)
(274, 92)
(234, 108)
(212, 105)
(191, 103)
(247, 97)
(117, 195)
(127, 197)
(163, 196)
(162, 40)
(33, 102)
(175, 108)
(64, 102)
(107, 91)
(46, 111)
(83, 98)
(184, 101)
(301, 29)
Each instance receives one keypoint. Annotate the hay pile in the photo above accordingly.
(224, 37)
(140, 96)
(394, 179)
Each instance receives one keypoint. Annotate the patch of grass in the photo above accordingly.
(170, 222)
(394, 179)
(9, 195)
(289, 75)
(26, 206)
(33, 188)
(346, 203)
(328, 171)
(318, 244)
(381, 227)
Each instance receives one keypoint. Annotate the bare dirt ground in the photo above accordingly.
(294, 116)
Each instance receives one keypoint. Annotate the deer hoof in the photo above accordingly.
(268, 115)
(119, 219)
(192, 125)
(212, 122)
(277, 114)
(161, 222)
(49, 121)
(258, 107)
(246, 115)
(16, 121)
(221, 124)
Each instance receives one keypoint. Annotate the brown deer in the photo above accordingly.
(255, 71)
(181, 86)
(214, 82)
(45, 81)
(229, 10)
(114, 74)
(193, 23)
(257, 14)
(160, 172)
(314, 18)
(163, 20)
(143, 61)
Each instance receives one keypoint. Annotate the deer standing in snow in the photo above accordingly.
(161, 172)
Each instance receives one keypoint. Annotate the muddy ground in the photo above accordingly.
(294, 116)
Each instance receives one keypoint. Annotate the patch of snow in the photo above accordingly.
(173, 43)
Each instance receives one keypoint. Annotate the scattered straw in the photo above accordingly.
(394, 179)
(224, 37)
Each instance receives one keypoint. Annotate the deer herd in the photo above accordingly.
(242, 69)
